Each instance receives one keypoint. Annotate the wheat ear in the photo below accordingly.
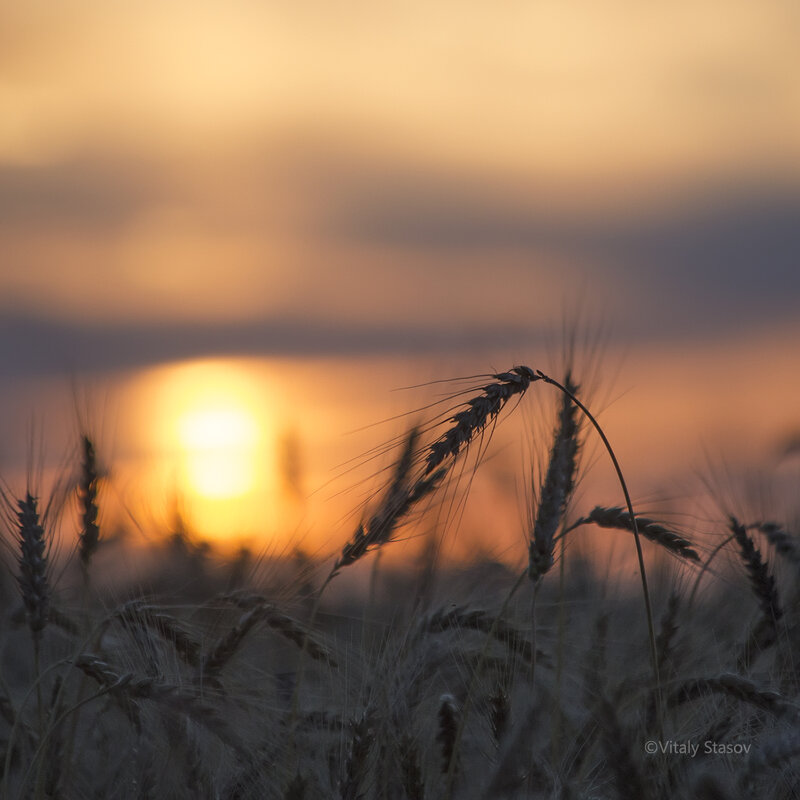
(735, 686)
(448, 728)
(256, 611)
(785, 543)
(32, 578)
(765, 589)
(127, 687)
(761, 580)
(619, 519)
(89, 537)
(403, 494)
(556, 488)
(479, 412)
(136, 614)
(481, 620)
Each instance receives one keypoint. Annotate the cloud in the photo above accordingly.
(79, 193)
(32, 345)
(710, 254)
(371, 256)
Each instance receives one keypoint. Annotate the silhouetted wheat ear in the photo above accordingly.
(556, 487)
(620, 519)
(761, 580)
(478, 619)
(480, 410)
(448, 727)
(227, 646)
(785, 543)
(137, 614)
(89, 536)
(403, 494)
(735, 686)
(32, 577)
(127, 687)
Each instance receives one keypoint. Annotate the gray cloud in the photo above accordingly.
(719, 253)
(32, 345)
(78, 193)
(718, 262)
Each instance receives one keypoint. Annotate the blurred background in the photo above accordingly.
(229, 231)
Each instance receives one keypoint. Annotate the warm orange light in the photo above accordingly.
(210, 430)
(221, 447)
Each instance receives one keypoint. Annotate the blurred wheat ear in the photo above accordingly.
(32, 578)
(404, 492)
(89, 536)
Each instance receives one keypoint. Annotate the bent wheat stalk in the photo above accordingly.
(485, 406)
(635, 530)
(481, 409)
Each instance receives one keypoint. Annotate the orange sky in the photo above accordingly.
(436, 185)
(197, 161)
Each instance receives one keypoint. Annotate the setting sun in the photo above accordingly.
(221, 450)
(212, 431)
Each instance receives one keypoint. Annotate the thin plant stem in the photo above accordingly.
(639, 554)
(36, 676)
(562, 630)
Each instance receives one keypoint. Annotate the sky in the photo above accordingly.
(358, 180)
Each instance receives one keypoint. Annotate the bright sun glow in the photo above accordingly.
(221, 447)
(211, 432)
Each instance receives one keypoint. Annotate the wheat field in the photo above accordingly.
(546, 676)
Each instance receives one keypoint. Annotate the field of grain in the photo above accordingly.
(551, 675)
